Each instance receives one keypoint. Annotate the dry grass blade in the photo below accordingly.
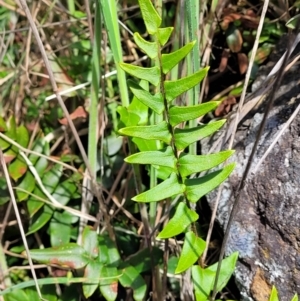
(51, 198)
(25, 150)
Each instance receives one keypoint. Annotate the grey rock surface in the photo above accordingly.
(266, 229)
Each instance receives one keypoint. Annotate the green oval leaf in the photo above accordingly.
(71, 256)
(109, 282)
(22, 136)
(40, 219)
(17, 168)
(108, 253)
(60, 228)
(40, 146)
(65, 191)
(28, 184)
(182, 218)
(152, 75)
(34, 202)
(196, 188)
(193, 247)
(11, 128)
(150, 132)
(52, 177)
(91, 273)
(131, 278)
(162, 191)
(41, 163)
(150, 16)
(180, 114)
(150, 48)
(177, 87)
(90, 242)
(170, 60)
(185, 137)
(163, 157)
(142, 260)
(189, 164)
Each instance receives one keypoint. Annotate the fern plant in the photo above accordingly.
(163, 145)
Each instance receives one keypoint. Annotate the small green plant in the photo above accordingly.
(96, 263)
(163, 145)
(38, 182)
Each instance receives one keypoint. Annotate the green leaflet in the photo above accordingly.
(193, 247)
(154, 102)
(274, 294)
(162, 157)
(196, 188)
(203, 279)
(150, 16)
(164, 34)
(145, 145)
(150, 48)
(182, 218)
(150, 132)
(162, 191)
(177, 87)
(152, 75)
(189, 164)
(170, 60)
(181, 114)
(185, 137)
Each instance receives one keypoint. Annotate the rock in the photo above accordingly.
(266, 229)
